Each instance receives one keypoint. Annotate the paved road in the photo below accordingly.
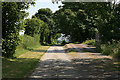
(58, 64)
(55, 63)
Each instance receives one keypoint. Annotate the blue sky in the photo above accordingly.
(42, 4)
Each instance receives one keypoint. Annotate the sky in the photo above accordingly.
(42, 4)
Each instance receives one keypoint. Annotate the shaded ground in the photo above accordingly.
(58, 64)
(22, 66)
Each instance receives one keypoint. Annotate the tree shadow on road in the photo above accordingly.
(77, 68)
(98, 68)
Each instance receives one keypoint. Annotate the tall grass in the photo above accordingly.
(112, 49)
(30, 42)
(26, 44)
(27, 54)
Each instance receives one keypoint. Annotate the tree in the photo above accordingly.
(12, 14)
(48, 29)
(81, 20)
(33, 26)
(105, 17)
(72, 20)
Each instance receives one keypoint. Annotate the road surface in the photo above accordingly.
(55, 63)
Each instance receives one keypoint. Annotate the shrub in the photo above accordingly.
(116, 50)
(112, 49)
(90, 42)
(107, 49)
(98, 47)
(9, 45)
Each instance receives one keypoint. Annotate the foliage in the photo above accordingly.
(33, 26)
(48, 32)
(81, 20)
(90, 42)
(111, 49)
(30, 42)
(12, 14)
(98, 47)
(107, 49)
(23, 65)
(105, 17)
(27, 43)
(72, 20)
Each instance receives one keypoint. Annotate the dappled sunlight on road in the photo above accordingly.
(58, 64)
(52, 68)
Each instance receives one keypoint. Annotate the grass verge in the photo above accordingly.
(21, 66)
(27, 43)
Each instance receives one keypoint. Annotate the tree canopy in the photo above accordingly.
(82, 20)
(49, 31)
(12, 14)
(33, 26)
(79, 20)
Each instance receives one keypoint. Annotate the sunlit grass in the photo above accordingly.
(23, 65)
(26, 44)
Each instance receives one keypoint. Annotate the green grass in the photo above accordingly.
(90, 42)
(30, 42)
(27, 55)
(17, 68)
(27, 43)
(23, 65)
(19, 51)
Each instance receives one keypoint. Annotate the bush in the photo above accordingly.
(98, 47)
(9, 45)
(112, 49)
(90, 42)
(116, 52)
(107, 49)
